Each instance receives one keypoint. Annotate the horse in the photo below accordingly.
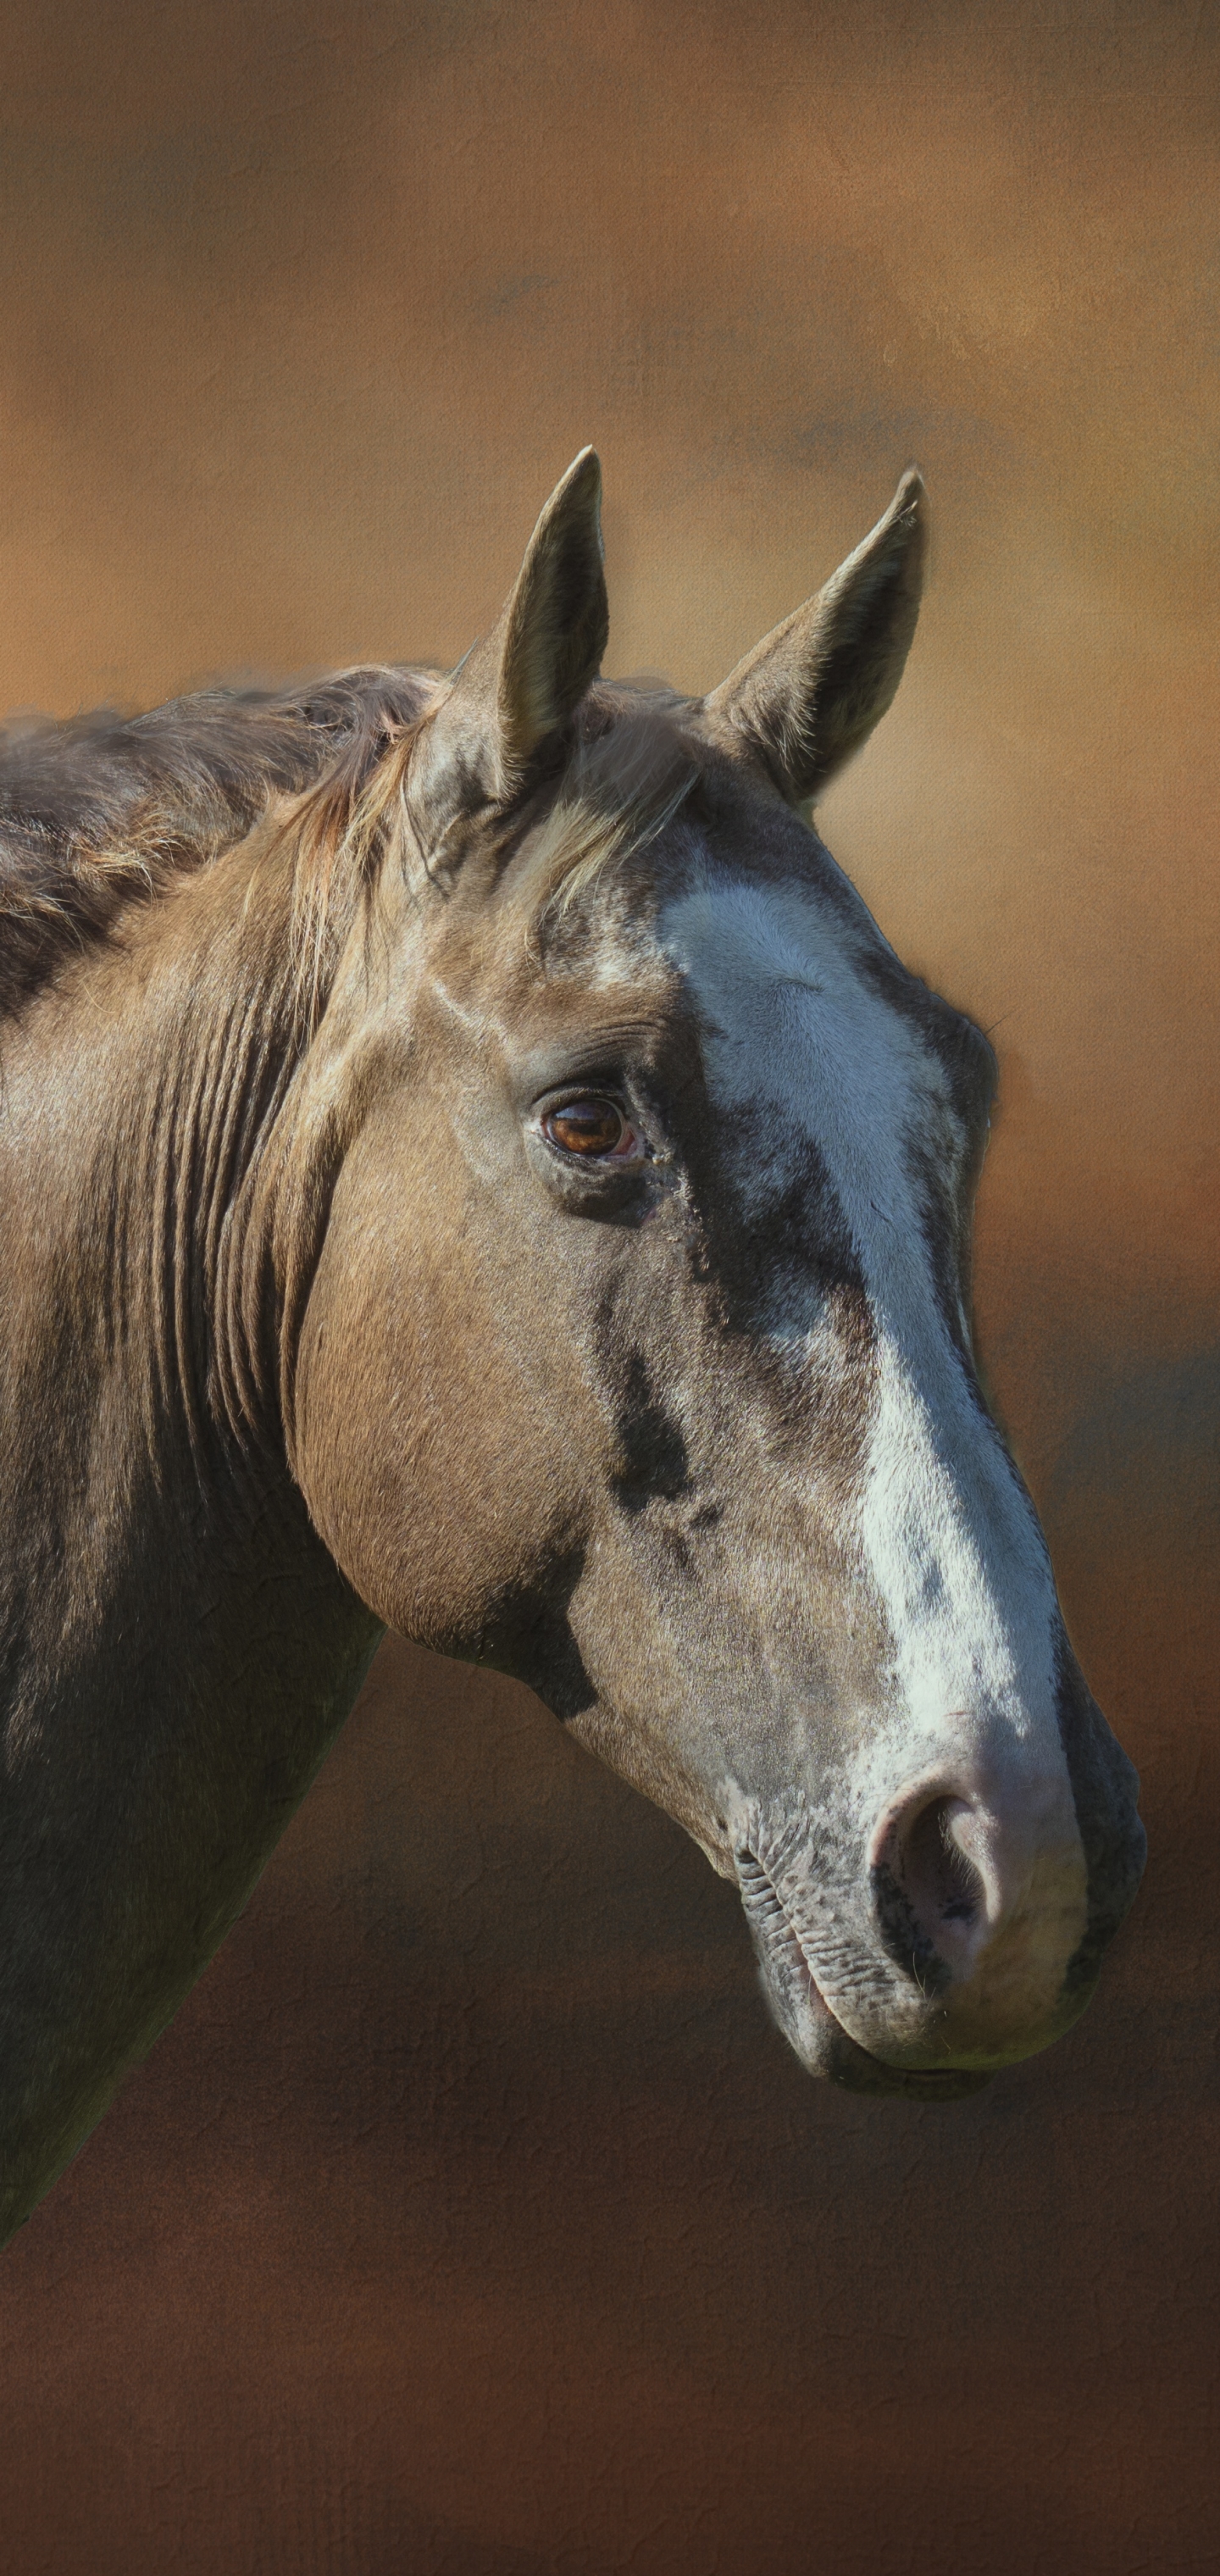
(472, 1165)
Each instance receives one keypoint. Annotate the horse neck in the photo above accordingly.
(177, 1649)
(148, 1106)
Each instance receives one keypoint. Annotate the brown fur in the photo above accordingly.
(306, 1330)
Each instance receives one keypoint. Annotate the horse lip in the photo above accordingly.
(844, 2062)
(856, 2070)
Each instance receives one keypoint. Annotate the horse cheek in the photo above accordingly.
(437, 1467)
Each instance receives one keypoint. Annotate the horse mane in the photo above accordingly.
(104, 811)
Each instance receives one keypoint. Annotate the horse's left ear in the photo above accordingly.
(519, 688)
(811, 692)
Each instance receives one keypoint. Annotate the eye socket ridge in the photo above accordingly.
(592, 1127)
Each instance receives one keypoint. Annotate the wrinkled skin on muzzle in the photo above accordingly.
(682, 1418)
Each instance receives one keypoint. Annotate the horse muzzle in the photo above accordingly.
(970, 1938)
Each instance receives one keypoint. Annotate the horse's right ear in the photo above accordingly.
(809, 695)
(513, 695)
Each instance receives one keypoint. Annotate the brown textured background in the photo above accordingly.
(470, 2221)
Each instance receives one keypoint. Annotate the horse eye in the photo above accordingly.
(593, 1127)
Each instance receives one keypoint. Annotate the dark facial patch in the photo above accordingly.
(1105, 1788)
(651, 1444)
(776, 1232)
(775, 1246)
(943, 1181)
(963, 1051)
(530, 1636)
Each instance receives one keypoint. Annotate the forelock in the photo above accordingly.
(627, 779)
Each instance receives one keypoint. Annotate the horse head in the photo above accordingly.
(632, 1350)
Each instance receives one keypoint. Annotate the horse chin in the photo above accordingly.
(825, 2049)
(817, 2037)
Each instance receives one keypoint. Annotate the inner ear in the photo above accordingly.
(519, 689)
(809, 695)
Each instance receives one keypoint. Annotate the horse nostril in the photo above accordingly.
(930, 1898)
(941, 1882)
(979, 1895)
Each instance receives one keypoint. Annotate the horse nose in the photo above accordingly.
(965, 1876)
(935, 1882)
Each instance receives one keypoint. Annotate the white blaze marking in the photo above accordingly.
(948, 1540)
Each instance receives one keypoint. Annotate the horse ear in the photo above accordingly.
(553, 632)
(519, 687)
(809, 695)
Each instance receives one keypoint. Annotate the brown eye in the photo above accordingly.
(592, 1126)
